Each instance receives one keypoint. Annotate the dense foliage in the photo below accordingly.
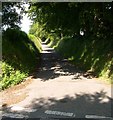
(82, 32)
(10, 16)
(20, 56)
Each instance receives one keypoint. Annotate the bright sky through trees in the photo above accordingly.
(25, 24)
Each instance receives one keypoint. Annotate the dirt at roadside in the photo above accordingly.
(15, 94)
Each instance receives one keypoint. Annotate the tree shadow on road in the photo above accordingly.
(53, 66)
(80, 105)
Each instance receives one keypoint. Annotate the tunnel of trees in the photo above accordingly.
(81, 32)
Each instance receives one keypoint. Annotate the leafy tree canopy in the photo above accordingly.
(12, 14)
(69, 18)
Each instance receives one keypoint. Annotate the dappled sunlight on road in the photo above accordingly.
(45, 49)
(80, 105)
(60, 87)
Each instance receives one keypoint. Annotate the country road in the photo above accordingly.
(60, 90)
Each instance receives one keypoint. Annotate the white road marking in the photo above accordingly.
(60, 113)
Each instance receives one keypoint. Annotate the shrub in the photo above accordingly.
(20, 57)
(89, 53)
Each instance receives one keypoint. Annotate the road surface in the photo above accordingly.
(60, 90)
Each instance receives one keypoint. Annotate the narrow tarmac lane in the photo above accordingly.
(60, 90)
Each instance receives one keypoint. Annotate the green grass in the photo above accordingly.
(21, 56)
(37, 41)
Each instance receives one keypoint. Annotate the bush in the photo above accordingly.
(37, 41)
(11, 76)
(20, 57)
(89, 53)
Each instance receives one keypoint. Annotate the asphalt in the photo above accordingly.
(60, 90)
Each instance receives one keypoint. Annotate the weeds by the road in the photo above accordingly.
(20, 57)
